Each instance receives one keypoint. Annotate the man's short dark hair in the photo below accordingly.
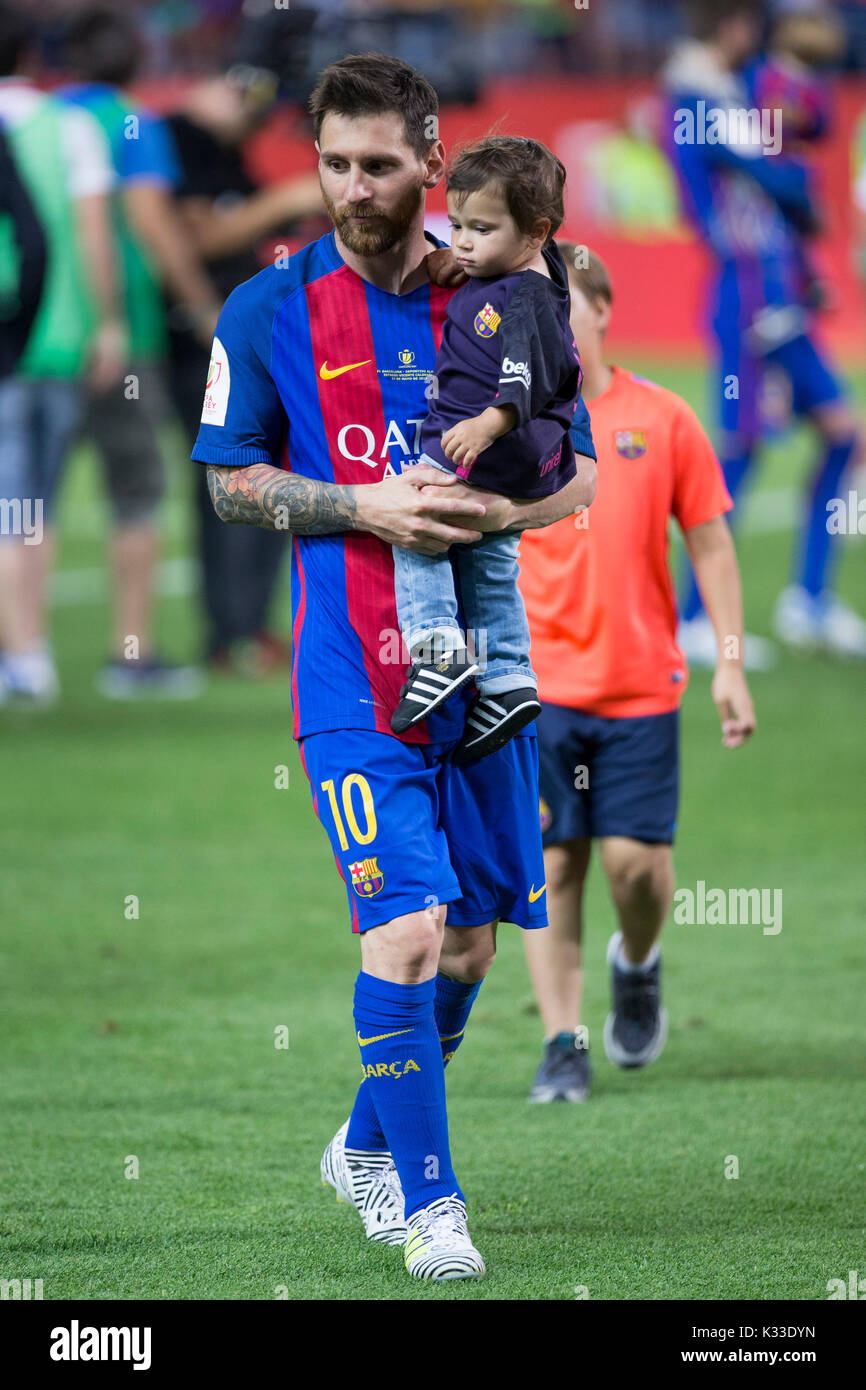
(16, 35)
(374, 84)
(102, 45)
(529, 175)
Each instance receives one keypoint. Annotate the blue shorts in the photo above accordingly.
(795, 379)
(410, 830)
(608, 776)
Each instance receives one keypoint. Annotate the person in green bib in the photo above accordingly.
(102, 50)
(61, 158)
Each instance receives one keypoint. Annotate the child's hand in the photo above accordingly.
(466, 440)
(734, 703)
(442, 268)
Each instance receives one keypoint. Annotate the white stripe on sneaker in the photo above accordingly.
(433, 699)
(486, 730)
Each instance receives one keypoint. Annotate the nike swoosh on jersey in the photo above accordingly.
(326, 372)
(533, 896)
(380, 1037)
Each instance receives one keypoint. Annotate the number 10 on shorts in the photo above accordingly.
(349, 782)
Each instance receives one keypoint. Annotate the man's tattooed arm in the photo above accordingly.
(261, 495)
(396, 509)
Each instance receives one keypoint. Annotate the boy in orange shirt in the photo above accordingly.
(603, 618)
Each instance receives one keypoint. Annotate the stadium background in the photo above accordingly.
(153, 1036)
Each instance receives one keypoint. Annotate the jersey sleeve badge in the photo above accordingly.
(216, 391)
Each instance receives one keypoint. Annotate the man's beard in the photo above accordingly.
(380, 232)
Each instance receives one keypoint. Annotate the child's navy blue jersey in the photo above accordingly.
(507, 340)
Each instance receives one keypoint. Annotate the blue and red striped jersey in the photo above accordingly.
(745, 196)
(321, 373)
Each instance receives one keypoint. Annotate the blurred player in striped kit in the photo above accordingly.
(751, 204)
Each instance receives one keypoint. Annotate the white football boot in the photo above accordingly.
(368, 1181)
(438, 1244)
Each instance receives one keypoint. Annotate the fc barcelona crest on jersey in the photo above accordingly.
(630, 443)
(487, 322)
(367, 877)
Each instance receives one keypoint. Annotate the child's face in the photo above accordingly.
(485, 238)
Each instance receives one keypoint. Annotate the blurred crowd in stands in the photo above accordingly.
(456, 44)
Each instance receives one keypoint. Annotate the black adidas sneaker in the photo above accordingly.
(636, 1028)
(428, 686)
(565, 1072)
(493, 719)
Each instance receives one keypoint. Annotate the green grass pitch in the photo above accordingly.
(153, 1038)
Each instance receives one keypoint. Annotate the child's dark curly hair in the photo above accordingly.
(529, 175)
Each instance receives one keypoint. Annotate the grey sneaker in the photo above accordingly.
(565, 1072)
(637, 1027)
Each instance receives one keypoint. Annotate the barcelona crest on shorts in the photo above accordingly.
(630, 443)
(367, 877)
(487, 321)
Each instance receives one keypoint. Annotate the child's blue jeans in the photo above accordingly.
(497, 628)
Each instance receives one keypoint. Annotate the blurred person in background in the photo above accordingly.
(790, 77)
(23, 261)
(227, 216)
(752, 213)
(611, 677)
(628, 183)
(103, 52)
(23, 257)
(62, 158)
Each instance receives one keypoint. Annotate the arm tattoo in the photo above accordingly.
(261, 495)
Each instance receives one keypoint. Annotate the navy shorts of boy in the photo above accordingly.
(601, 777)
(410, 830)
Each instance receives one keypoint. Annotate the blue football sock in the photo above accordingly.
(454, 999)
(402, 1060)
(364, 1130)
(735, 470)
(816, 548)
(451, 1011)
